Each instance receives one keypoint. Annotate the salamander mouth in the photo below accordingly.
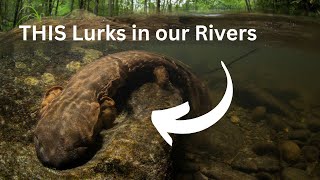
(66, 159)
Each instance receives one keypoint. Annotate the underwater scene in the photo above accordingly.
(82, 109)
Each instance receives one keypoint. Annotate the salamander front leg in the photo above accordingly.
(108, 111)
(49, 96)
(162, 77)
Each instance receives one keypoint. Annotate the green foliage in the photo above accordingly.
(33, 15)
(36, 9)
(296, 7)
(64, 8)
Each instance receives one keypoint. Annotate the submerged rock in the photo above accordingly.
(223, 171)
(264, 176)
(31, 81)
(277, 123)
(314, 125)
(289, 151)
(265, 148)
(254, 164)
(258, 112)
(73, 66)
(294, 173)
(301, 134)
(235, 119)
(199, 176)
(2, 121)
(89, 55)
(48, 78)
(268, 164)
(315, 140)
(310, 153)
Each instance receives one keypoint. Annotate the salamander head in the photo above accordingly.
(66, 132)
(57, 151)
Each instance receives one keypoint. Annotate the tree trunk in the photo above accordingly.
(164, 5)
(49, 10)
(5, 11)
(88, 5)
(57, 8)
(248, 5)
(0, 8)
(187, 5)
(116, 7)
(1, 21)
(71, 5)
(81, 4)
(110, 4)
(158, 6)
(196, 5)
(102, 6)
(4, 14)
(132, 6)
(16, 12)
(96, 7)
(145, 6)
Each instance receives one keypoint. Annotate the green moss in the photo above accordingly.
(73, 66)
(20, 65)
(48, 78)
(31, 81)
(89, 55)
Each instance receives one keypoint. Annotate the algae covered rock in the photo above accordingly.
(73, 66)
(89, 55)
(31, 81)
(48, 78)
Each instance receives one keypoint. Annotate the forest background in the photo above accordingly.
(15, 12)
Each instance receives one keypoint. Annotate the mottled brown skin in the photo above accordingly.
(71, 119)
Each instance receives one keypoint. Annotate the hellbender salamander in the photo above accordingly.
(72, 117)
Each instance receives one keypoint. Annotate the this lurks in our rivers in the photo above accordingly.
(71, 118)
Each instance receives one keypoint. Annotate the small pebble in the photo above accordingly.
(235, 119)
(258, 112)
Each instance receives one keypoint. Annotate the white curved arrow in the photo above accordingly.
(166, 121)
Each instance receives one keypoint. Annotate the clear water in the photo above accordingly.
(277, 68)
